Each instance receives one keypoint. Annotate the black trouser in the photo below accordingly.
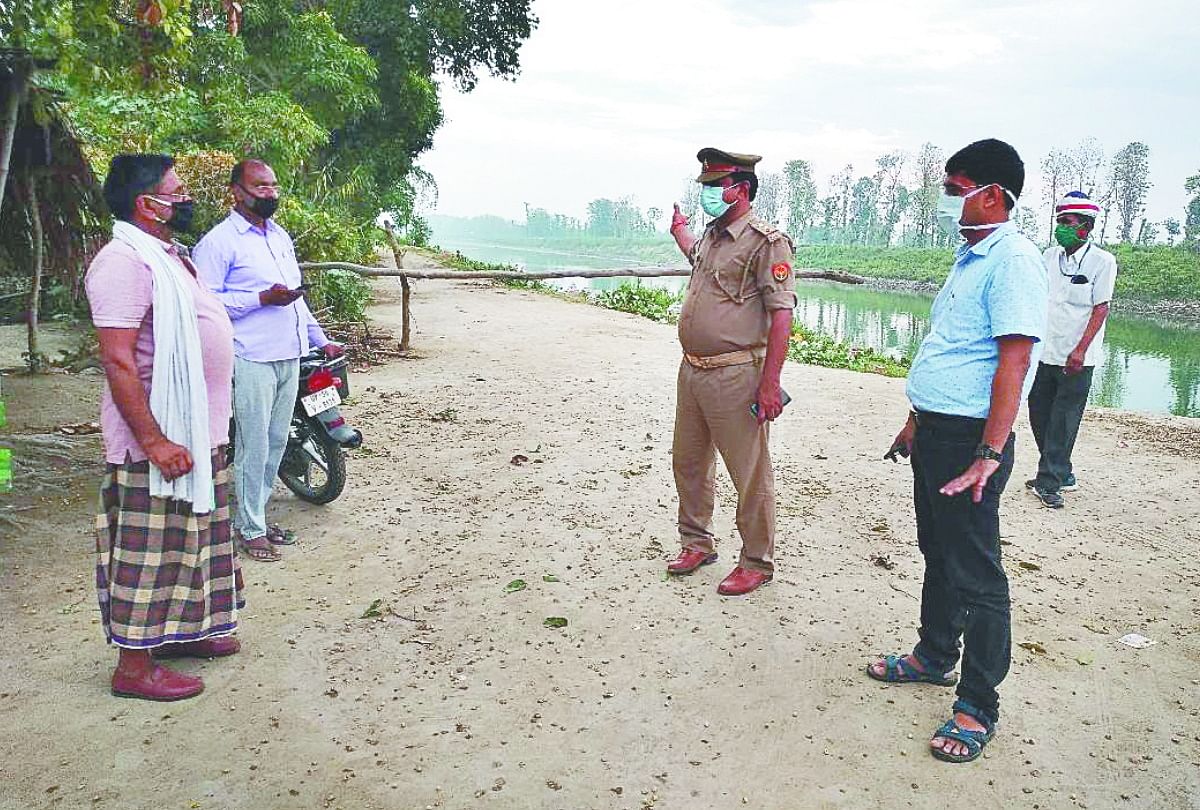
(965, 594)
(1056, 404)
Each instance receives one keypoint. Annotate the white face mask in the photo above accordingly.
(950, 210)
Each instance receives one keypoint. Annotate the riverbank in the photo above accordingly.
(528, 438)
(1187, 312)
(1156, 281)
(807, 345)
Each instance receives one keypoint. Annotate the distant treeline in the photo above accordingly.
(892, 205)
(1148, 272)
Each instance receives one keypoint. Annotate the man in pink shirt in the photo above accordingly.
(167, 573)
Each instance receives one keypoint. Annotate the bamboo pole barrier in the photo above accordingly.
(467, 275)
(635, 272)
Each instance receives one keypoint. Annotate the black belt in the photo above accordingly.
(930, 418)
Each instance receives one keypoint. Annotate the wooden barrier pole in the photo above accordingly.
(405, 289)
(624, 272)
(468, 275)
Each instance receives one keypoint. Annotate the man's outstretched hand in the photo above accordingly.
(975, 479)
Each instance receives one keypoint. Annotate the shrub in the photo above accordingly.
(816, 349)
(650, 302)
(342, 294)
(325, 234)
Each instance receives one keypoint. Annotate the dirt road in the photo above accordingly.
(657, 694)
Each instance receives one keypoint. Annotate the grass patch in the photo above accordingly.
(815, 349)
(909, 264)
(1157, 273)
(650, 302)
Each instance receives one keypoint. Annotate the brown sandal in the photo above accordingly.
(259, 549)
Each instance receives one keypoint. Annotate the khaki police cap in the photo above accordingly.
(716, 163)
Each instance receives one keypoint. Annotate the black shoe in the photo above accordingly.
(1070, 485)
(1049, 499)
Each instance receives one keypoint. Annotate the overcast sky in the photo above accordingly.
(615, 98)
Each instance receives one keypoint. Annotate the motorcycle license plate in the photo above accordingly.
(322, 400)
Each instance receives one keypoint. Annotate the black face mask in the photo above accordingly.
(181, 216)
(264, 207)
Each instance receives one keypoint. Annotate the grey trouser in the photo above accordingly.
(264, 395)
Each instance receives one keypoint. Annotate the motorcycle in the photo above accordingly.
(314, 461)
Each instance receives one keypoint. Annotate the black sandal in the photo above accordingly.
(264, 553)
(279, 536)
(897, 669)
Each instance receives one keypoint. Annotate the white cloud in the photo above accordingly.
(614, 99)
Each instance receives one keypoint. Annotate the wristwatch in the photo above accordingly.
(985, 451)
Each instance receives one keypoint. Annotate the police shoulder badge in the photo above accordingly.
(781, 271)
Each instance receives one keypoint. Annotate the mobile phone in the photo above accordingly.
(304, 286)
(786, 399)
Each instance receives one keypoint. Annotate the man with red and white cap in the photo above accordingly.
(1081, 279)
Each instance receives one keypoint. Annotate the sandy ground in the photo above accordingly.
(657, 694)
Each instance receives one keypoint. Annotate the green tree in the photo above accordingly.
(1171, 227)
(766, 202)
(1029, 223)
(830, 208)
(1087, 166)
(1147, 233)
(893, 196)
(864, 211)
(1130, 184)
(602, 218)
(929, 168)
(1191, 222)
(842, 185)
(689, 203)
(339, 95)
(1058, 174)
(800, 195)
(410, 44)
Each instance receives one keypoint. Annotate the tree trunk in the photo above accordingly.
(405, 297)
(12, 109)
(35, 288)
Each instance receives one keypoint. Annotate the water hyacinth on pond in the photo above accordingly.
(654, 303)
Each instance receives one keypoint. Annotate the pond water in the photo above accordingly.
(1150, 365)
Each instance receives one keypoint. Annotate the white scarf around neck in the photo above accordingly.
(178, 393)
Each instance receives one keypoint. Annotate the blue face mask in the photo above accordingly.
(712, 201)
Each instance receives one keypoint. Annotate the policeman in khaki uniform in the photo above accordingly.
(734, 329)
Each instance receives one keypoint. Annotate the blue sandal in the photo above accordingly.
(898, 670)
(973, 740)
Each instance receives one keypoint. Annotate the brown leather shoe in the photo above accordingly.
(218, 647)
(741, 581)
(156, 683)
(689, 560)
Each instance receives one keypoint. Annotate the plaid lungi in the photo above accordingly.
(164, 574)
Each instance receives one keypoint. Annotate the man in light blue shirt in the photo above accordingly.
(966, 385)
(249, 262)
